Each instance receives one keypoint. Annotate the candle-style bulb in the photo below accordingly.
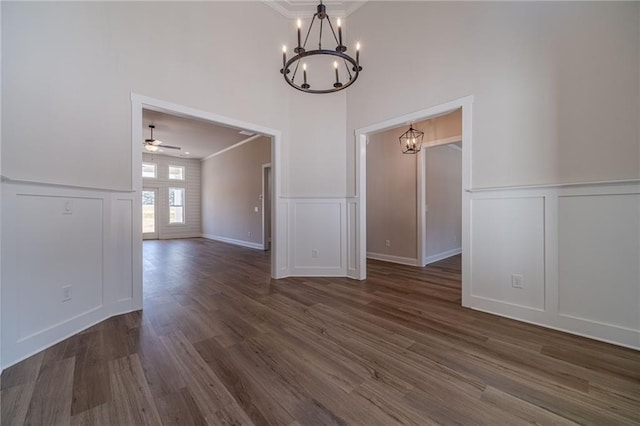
(339, 33)
(358, 46)
(299, 24)
(284, 59)
(335, 64)
(304, 74)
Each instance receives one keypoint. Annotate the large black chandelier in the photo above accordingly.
(345, 67)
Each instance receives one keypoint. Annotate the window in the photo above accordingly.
(176, 205)
(176, 172)
(149, 170)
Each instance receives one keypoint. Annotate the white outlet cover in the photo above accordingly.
(517, 281)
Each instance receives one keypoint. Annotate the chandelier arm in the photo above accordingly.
(346, 65)
(295, 71)
(304, 45)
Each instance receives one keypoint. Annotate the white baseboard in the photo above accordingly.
(394, 259)
(248, 244)
(441, 256)
(318, 272)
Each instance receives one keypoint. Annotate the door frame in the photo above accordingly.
(361, 136)
(279, 245)
(266, 239)
(156, 234)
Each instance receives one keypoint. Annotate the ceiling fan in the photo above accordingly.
(153, 145)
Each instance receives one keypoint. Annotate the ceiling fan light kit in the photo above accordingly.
(154, 145)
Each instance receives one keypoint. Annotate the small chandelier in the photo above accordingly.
(342, 60)
(411, 141)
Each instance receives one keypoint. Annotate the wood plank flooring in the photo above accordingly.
(219, 342)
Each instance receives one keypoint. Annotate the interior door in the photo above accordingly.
(149, 213)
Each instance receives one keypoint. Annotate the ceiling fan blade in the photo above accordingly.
(170, 147)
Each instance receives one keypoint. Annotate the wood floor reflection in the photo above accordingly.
(219, 342)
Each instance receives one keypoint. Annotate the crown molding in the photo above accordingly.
(293, 9)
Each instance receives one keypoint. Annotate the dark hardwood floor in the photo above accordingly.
(219, 342)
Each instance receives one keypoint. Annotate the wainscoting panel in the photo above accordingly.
(352, 249)
(58, 238)
(73, 228)
(507, 250)
(122, 238)
(577, 248)
(598, 259)
(318, 236)
(283, 241)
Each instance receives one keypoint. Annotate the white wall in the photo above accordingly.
(231, 190)
(193, 210)
(199, 55)
(317, 163)
(98, 53)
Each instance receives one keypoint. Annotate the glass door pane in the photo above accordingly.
(149, 222)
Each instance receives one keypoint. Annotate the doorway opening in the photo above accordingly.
(362, 138)
(414, 200)
(141, 103)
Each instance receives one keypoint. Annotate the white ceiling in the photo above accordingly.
(306, 8)
(199, 138)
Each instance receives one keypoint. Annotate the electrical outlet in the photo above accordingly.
(66, 293)
(517, 281)
(314, 253)
(387, 243)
